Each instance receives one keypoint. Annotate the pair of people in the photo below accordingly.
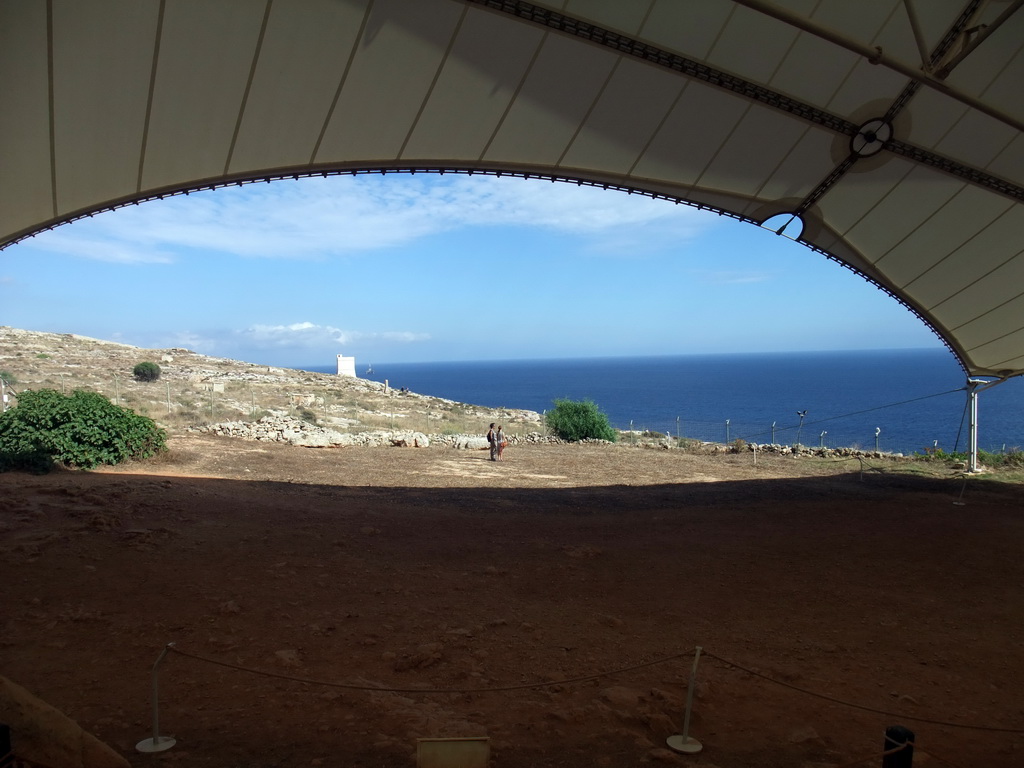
(496, 439)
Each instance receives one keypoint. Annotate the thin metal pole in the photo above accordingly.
(973, 429)
(974, 387)
(683, 742)
(689, 694)
(157, 743)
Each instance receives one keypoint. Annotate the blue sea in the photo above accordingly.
(913, 398)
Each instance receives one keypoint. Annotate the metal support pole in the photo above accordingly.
(157, 743)
(683, 742)
(974, 388)
(972, 398)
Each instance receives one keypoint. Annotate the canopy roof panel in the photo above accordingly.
(891, 129)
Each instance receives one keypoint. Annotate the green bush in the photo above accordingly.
(9, 378)
(146, 372)
(81, 430)
(575, 420)
(1012, 459)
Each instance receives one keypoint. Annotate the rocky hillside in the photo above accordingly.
(195, 390)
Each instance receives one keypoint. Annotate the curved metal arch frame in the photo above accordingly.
(470, 171)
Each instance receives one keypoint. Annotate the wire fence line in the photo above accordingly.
(728, 432)
(181, 402)
(844, 430)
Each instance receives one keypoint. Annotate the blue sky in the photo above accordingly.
(402, 268)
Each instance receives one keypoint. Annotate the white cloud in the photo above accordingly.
(75, 240)
(195, 342)
(309, 335)
(322, 217)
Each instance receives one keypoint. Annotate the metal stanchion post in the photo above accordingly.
(157, 743)
(683, 742)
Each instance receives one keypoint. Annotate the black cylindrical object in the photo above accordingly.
(6, 756)
(896, 736)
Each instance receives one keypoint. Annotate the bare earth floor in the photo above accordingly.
(436, 569)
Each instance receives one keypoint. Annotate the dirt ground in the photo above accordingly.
(436, 570)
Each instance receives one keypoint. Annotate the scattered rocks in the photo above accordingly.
(288, 657)
(285, 429)
(803, 734)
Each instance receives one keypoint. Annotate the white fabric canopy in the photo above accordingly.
(891, 130)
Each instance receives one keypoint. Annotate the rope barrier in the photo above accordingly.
(584, 678)
(379, 689)
(566, 681)
(861, 706)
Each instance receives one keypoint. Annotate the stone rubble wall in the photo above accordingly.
(292, 431)
(285, 429)
(819, 451)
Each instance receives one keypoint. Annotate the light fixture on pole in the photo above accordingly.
(800, 428)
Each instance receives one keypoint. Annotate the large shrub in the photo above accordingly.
(81, 430)
(146, 372)
(579, 420)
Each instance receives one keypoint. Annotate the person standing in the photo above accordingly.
(492, 441)
(499, 440)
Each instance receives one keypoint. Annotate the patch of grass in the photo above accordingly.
(1012, 459)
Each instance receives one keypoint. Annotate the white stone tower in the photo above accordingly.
(346, 366)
